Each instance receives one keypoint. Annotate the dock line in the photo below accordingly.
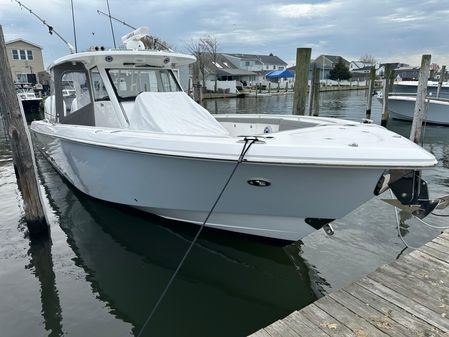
(248, 142)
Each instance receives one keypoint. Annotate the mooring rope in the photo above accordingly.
(248, 141)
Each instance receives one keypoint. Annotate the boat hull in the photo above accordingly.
(184, 188)
(403, 107)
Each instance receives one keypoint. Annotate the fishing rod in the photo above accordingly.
(51, 30)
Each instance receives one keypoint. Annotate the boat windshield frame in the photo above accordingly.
(172, 78)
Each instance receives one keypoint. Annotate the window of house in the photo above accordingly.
(29, 54)
(22, 78)
(22, 54)
(246, 63)
(15, 54)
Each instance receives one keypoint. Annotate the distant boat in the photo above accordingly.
(410, 87)
(403, 107)
(30, 102)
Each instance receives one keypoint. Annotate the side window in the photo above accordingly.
(98, 88)
(75, 91)
(168, 82)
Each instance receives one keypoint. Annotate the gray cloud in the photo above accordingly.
(399, 30)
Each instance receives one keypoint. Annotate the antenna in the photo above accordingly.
(111, 17)
(110, 20)
(155, 41)
(74, 29)
(51, 30)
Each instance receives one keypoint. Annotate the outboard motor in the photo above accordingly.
(411, 192)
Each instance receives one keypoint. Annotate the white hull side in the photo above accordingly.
(403, 108)
(186, 188)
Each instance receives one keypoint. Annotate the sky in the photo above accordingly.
(390, 31)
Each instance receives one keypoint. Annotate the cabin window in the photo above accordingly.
(29, 54)
(15, 54)
(98, 88)
(22, 55)
(75, 83)
(128, 83)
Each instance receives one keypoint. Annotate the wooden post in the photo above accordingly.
(301, 79)
(269, 87)
(197, 95)
(286, 86)
(22, 153)
(316, 91)
(386, 90)
(279, 83)
(440, 82)
(420, 106)
(372, 79)
(311, 89)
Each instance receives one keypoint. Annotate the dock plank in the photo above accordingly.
(408, 304)
(370, 314)
(326, 322)
(355, 323)
(424, 269)
(303, 327)
(414, 324)
(408, 297)
(280, 329)
(428, 294)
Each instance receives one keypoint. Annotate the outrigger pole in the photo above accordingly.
(51, 30)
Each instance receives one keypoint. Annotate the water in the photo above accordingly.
(106, 265)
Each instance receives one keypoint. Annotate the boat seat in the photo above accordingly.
(172, 112)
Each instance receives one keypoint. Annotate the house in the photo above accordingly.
(395, 65)
(246, 68)
(326, 63)
(25, 59)
(407, 73)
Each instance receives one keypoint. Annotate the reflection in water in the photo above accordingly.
(42, 264)
(128, 257)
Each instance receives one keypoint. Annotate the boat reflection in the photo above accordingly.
(230, 285)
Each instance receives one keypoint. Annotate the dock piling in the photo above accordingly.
(316, 91)
(421, 94)
(22, 152)
(386, 90)
(301, 79)
(372, 79)
(441, 80)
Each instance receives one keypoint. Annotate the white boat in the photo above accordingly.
(402, 107)
(410, 87)
(30, 102)
(132, 136)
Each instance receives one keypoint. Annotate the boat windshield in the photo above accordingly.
(128, 83)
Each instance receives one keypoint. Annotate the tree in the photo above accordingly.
(368, 59)
(197, 49)
(340, 71)
(211, 46)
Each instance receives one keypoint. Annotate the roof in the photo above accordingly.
(235, 72)
(333, 58)
(280, 74)
(265, 59)
(24, 41)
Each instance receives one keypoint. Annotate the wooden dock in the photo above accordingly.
(408, 297)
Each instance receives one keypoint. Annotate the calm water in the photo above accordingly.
(105, 266)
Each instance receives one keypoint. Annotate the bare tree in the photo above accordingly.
(210, 44)
(198, 49)
(368, 59)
